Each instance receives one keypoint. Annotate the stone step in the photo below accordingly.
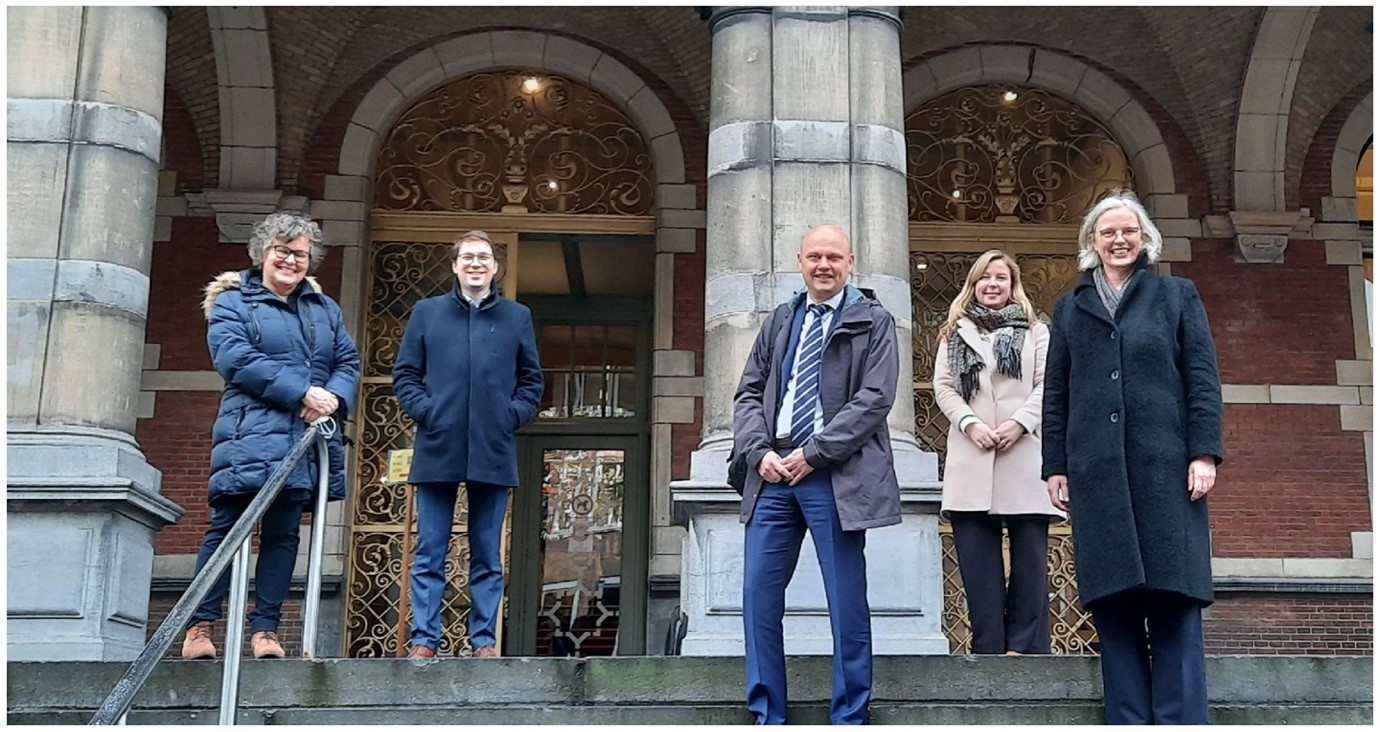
(670, 690)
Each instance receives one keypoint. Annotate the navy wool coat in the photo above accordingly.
(270, 352)
(857, 386)
(1128, 403)
(469, 377)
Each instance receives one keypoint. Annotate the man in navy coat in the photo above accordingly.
(810, 415)
(468, 374)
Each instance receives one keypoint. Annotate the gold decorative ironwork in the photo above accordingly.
(515, 140)
(935, 280)
(403, 273)
(1004, 153)
(374, 590)
(1071, 629)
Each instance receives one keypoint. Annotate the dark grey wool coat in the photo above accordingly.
(1128, 403)
(857, 386)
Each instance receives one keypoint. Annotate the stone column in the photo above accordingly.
(85, 103)
(806, 127)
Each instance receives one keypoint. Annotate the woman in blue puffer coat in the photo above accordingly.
(281, 346)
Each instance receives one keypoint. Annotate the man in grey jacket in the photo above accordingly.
(810, 415)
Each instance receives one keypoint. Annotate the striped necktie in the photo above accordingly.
(807, 366)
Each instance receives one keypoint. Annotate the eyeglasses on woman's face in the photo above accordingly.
(288, 254)
(1126, 233)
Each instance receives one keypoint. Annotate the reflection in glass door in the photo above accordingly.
(581, 552)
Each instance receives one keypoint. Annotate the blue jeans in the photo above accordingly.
(435, 513)
(278, 534)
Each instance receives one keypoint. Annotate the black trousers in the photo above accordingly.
(1005, 616)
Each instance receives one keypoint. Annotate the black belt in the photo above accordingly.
(784, 443)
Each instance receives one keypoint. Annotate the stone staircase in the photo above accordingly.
(670, 690)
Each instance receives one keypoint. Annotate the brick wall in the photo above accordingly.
(1293, 483)
(689, 336)
(1315, 181)
(1322, 625)
(191, 75)
(1274, 323)
(181, 147)
(289, 628)
(1325, 77)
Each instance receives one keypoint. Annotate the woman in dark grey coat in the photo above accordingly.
(1132, 439)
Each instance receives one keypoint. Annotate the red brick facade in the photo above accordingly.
(1294, 484)
(1318, 625)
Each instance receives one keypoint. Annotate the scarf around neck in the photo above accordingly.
(1109, 294)
(1006, 327)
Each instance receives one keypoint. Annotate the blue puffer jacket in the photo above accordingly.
(270, 352)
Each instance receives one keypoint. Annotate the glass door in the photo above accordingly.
(579, 566)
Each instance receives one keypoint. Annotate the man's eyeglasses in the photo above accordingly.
(472, 258)
(288, 254)
(1110, 234)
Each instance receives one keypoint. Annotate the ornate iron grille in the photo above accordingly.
(1000, 153)
(405, 272)
(515, 140)
(1071, 631)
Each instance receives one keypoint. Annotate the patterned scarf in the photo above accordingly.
(1007, 328)
(1109, 294)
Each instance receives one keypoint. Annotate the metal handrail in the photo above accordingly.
(235, 545)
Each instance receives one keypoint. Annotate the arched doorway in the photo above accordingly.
(1011, 167)
(563, 181)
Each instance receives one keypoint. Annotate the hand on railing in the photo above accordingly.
(325, 424)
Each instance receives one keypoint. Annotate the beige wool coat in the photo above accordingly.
(997, 482)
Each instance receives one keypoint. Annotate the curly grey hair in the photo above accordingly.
(285, 226)
(1117, 198)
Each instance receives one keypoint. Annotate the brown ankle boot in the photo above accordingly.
(198, 643)
(265, 645)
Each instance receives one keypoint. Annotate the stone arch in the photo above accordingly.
(248, 120)
(1262, 122)
(1356, 132)
(411, 79)
(1093, 90)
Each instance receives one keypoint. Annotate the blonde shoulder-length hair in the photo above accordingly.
(959, 307)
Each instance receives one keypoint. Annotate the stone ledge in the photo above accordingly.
(1284, 568)
(361, 684)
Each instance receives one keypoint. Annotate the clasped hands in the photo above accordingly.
(1002, 438)
(318, 403)
(790, 469)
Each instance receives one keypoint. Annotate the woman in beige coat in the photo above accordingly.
(988, 377)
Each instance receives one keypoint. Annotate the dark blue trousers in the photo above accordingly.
(1153, 666)
(773, 538)
(278, 534)
(435, 514)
